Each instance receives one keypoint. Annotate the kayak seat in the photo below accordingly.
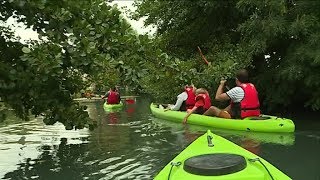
(215, 164)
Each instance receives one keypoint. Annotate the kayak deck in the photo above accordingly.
(269, 124)
(252, 167)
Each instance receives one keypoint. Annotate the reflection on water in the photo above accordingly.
(132, 144)
(23, 144)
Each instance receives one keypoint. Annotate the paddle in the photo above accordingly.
(206, 61)
(202, 56)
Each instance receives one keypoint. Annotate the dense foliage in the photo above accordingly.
(85, 42)
(80, 42)
(278, 40)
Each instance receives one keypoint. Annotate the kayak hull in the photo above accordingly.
(272, 124)
(286, 139)
(112, 107)
(254, 169)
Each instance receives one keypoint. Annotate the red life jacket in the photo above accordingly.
(206, 99)
(191, 100)
(249, 105)
(113, 98)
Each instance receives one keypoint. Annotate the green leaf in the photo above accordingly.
(26, 50)
(92, 45)
(13, 71)
(98, 21)
(108, 57)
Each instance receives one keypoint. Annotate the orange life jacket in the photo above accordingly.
(206, 99)
(191, 100)
(249, 105)
(113, 98)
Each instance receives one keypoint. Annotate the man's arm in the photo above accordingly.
(106, 95)
(119, 97)
(220, 96)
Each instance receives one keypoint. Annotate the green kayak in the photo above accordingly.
(213, 157)
(265, 123)
(112, 107)
(286, 139)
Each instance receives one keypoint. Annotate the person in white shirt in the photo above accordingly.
(244, 99)
(185, 100)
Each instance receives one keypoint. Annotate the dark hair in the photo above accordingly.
(113, 88)
(184, 86)
(187, 86)
(243, 76)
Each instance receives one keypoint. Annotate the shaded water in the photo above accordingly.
(132, 144)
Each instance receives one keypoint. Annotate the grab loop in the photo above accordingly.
(176, 164)
(258, 159)
(209, 138)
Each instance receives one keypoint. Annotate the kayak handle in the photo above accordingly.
(209, 138)
(173, 164)
(258, 159)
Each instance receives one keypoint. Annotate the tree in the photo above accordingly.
(242, 33)
(77, 38)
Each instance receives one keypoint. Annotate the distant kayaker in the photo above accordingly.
(202, 104)
(113, 96)
(185, 100)
(244, 99)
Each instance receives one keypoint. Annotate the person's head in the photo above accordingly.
(242, 76)
(189, 86)
(201, 91)
(183, 87)
(113, 88)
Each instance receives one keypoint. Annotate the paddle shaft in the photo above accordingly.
(206, 61)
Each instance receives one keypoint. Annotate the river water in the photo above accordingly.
(132, 144)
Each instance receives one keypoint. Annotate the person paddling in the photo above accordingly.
(113, 96)
(203, 103)
(244, 99)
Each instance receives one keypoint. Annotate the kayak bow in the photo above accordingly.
(213, 157)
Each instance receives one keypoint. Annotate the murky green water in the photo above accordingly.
(132, 144)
